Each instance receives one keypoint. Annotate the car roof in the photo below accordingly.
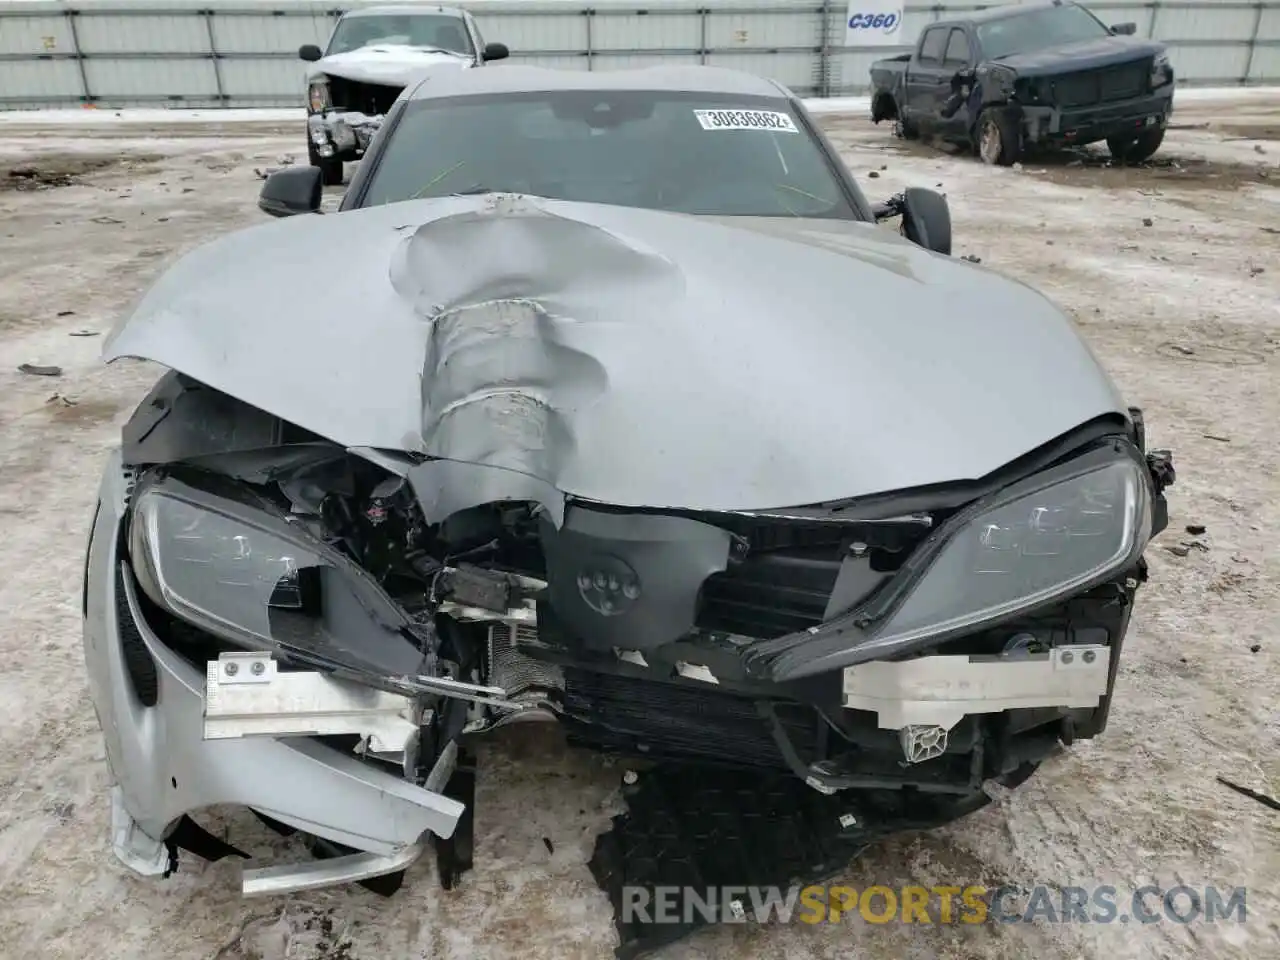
(401, 9)
(514, 78)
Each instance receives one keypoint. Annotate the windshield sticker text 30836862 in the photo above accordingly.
(766, 120)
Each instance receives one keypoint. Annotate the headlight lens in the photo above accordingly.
(250, 576)
(1160, 70)
(1026, 551)
(214, 570)
(318, 96)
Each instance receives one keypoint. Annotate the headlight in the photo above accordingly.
(318, 96)
(1026, 551)
(215, 570)
(1161, 70)
(260, 581)
(1044, 538)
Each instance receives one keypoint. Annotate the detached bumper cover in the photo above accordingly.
(164, 767)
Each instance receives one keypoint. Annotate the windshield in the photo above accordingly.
(441, 31)
(664, 151)
(1037, 29)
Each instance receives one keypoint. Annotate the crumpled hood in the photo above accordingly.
(1082, 55)
(628, 356)
(390, 64)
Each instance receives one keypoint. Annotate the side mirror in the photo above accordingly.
(926, 219)
(290, 191)
(1124, 29)
(495, 51)
(309, 52)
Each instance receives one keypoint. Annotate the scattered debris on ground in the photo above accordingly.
(35, 370)
(1262, 798)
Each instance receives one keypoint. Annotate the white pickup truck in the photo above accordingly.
(372, 55)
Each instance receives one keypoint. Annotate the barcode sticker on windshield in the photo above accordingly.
(768, 120)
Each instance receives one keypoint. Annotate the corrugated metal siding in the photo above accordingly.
(244, 52)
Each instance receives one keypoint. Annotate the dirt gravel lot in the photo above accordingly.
(1173, 274)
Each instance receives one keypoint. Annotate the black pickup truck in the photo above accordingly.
(1013, 79)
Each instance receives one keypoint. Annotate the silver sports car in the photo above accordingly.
(606, 399)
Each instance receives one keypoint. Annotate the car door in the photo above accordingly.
(926, 76)
(957, 56)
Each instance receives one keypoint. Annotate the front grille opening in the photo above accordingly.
(1090, 87)
(373, 99)
(785, 582)
(769, 595)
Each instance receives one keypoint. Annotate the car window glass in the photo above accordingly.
(749, 157)
(957, 48)
(931, 49)
(412, 30)
(1037, 29)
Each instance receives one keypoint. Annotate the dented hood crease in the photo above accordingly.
(627, 356)
(389, 64)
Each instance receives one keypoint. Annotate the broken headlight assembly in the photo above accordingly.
(257, 579)
(214, 570)
(318, 96)
(1047, 537)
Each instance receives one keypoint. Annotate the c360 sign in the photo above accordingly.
(879, 22)
(874, 23)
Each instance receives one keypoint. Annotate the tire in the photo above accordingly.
(1136, 149)
(330, 169)
(996, 138)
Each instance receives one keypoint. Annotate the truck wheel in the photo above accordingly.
(1136, 149)
(997, 138)
(330, 169)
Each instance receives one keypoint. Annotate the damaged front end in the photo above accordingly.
(314, 625)
(921, 645)
(343, 116)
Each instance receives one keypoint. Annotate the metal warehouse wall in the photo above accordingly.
(243, 53)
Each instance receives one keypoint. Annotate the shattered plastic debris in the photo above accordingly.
(707, 829)
(35, 370)
(1262, 798)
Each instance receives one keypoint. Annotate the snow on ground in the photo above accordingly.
(152, 115)
(1172, 272)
